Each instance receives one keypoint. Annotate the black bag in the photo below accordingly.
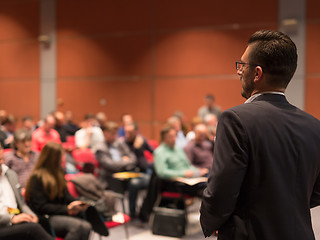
(169, 222)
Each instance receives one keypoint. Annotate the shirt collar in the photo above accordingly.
(4, 169)
(250, 99)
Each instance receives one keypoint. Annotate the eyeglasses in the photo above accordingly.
(239, 64)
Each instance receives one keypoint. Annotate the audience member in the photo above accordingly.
(89, 136)
(60, 126)
(200, 150)
(113, 155)
(28, 123)
(125, 119)
(181, 140)
(47, 194)
(70, 125)
(182, 118)
(171, 162)
(190, 135)
(209, 107)
(44, 134)
(211, 122)
(17, 221)
(101, 119)
(8, 128)
(3, 116)
(138, 145)
(22, 159)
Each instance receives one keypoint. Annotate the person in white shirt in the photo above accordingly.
(17, 221)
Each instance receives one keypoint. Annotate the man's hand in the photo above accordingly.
(23, 217)
(203, 171)
(188, 173)
(126, 158)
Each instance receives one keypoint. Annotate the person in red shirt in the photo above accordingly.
(45, 133)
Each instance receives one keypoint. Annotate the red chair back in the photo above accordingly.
(149, 156)
(83, 156)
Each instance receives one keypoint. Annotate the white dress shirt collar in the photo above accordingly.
(250, 99)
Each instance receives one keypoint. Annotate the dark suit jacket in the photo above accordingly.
(265, 174)
(13, 180)
(108, 166)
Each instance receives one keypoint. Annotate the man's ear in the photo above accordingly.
(258, 74)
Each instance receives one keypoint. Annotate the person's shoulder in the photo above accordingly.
(97, 129)
(190, 144)
(80, 131)
(11, 173)
(100, 147)
(37, 132)
(160, 148)
(307, 116)
(9, 155)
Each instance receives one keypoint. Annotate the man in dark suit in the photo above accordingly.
(265, 175)
(17, 221)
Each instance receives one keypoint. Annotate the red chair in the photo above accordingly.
(149, 156)
(84, 156)
(110, 224)
(70, 144)
(6, 150)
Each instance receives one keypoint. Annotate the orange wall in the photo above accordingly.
(19, 57)
(148, 57)
(151, 58)
(312, 58)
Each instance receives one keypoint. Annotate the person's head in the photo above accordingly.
(60, 119)
(268, 63)
(209, 100)
(180, 115)
(27, 123)
(168, 136)
(211, 120)
(175, 123)
(89, 120)
(131, 131)
(10, 123)
(48, 168)
(126, 118)
(101, 118)
(110, 131)
(3, 116)
(22, 141)
(49, 123)
(201, 133)
(68, 116)
(195, 121)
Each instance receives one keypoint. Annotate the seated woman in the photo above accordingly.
(22, 160)
(47, 194)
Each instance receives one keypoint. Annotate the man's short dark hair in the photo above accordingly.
(164, 131)
(110, 126)
(89, 116)
(276, 53)
(209, 97)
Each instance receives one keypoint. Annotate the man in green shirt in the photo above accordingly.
(170, 161)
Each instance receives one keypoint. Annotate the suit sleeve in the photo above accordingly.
(227, 174)
(315, 197)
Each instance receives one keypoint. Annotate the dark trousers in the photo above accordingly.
(24, 231)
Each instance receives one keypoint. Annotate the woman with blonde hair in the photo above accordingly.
(47, 194)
